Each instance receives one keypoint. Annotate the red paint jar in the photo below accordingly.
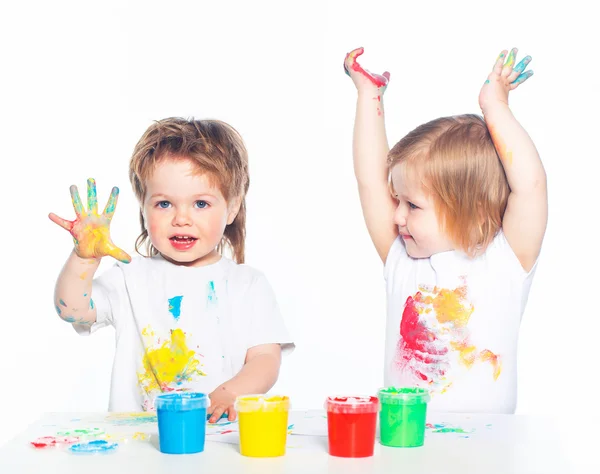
(351, 424)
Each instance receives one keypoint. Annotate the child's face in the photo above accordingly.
(415, 216)
(185, 215)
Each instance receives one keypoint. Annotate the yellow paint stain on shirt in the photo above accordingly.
(169, 365)
(451, 306)
(467, 353)
(488, 356)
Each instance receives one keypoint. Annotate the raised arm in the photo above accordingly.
(91, 237)
(526, 215)
(370, 149)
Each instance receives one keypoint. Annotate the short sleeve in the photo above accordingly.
(395, 257)
(108, 290)
(501, 254)
(266, 323)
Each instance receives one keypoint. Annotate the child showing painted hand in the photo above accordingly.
(187, 317)
(457, 211)
(91, 237)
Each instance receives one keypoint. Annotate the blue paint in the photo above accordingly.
(175, 306)
(91, 303)
(211, 298)
(487, 81)
(57, 309)
(181, 422)
(522, 77)
(69, 319)
(92, 447)
(522, 64)
(85, 294)
(224, 415)
(63, 303)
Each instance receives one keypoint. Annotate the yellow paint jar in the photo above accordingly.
(263, 424)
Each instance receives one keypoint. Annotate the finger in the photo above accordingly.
(92, 198)
(351, 58)
(216, 414)
(510, 62)
(116, 252)
(518, 69)
(111, 205)
(499, 62)
(232, 414)
(76, 200)
(521, 79)
(65, 224)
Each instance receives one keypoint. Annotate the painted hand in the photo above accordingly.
(421, 348)
(221, 401)
(362, 78)
(90, 231)
(505, 77)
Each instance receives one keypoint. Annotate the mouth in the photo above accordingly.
(406, 236)
(182, 242)
(182, 238)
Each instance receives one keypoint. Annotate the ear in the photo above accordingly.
(234, 208)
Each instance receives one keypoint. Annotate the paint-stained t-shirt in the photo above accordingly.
(182, 328)
(453, 324)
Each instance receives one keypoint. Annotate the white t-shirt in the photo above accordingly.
(453, 325)
(182, 328)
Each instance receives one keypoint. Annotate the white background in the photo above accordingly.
(81, 81)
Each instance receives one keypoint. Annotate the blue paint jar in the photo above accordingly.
(181, 422)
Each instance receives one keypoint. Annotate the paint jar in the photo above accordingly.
(402, 416)
(351, 426)
(181, 422)
(263, 424)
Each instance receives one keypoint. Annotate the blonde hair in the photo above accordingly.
(459, 167)
(215, 148)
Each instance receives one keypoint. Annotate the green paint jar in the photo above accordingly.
(402, 416)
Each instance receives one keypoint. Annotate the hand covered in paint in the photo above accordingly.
(91, 231)
(362, 78)
(504, 78)
(221, 401)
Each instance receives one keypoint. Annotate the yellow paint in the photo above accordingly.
(488, 356)
(83, 275)
(453, 311)
(263, 425)
(169, 365)
(452, 306)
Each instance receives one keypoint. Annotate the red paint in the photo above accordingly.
(417, 341)
(351, 427)
(376, 79)
(51, 441)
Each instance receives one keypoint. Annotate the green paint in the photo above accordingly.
(402, 416)
(451, 430)
(92, 197)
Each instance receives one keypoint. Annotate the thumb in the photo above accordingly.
(115, 252)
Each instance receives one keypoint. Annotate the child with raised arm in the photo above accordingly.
(186, 317)
(457, 211)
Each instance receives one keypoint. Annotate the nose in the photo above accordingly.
(182, 217)
(400, 215)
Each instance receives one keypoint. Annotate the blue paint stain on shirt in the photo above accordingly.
(175, 306)
(211, 298)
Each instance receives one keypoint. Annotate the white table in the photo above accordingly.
(491, 444)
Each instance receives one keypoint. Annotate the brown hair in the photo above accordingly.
(215, 148)
(458, 165)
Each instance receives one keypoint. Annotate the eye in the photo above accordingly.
(163, 204)
(201, 204)
(412, 206)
